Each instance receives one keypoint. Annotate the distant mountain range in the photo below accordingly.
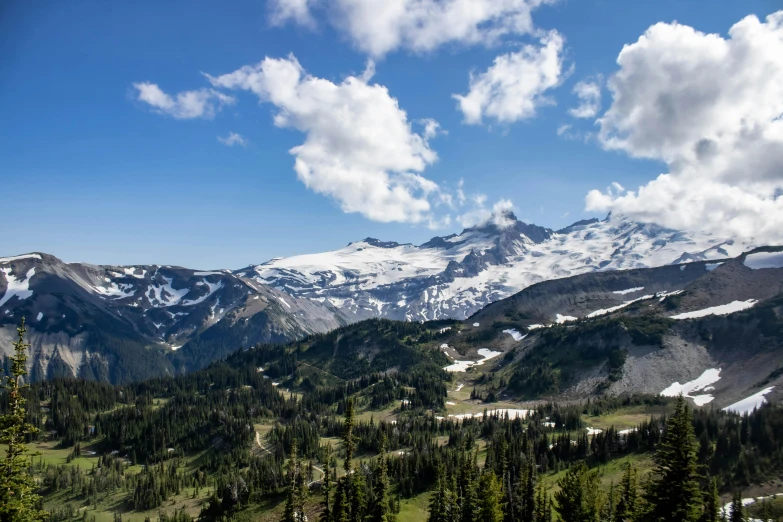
(130, 322)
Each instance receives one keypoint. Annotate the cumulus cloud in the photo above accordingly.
(500, 214)
(359, 148)
(514, 86)
(203, 103)
(232, 139)
(711, 108)
(589, 94)
(377, 27)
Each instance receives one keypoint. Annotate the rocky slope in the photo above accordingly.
(123, 323)
(711, 330)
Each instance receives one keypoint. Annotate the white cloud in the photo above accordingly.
(203, 103)
(233, 139)
(298, 11)
(499, 215)
(515, 85)
(710, 108)
(359, 147)
(589, 94)
(377, 27)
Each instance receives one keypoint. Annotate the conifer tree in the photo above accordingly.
(579, 497)
(737, 509)
(628, 505)
(326, 515)
(490, 498)
(675, 494)
(381, 510)
(18, 500)
(711, 504)
(437, 508)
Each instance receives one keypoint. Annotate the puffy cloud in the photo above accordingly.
(359, 147)
(711, 108)
(378, 27)
(499, 215)
(589, 94)
(515, 85)
(203, 103)
(233, 139)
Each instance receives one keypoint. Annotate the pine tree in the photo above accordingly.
(737, 509)
(18, 500)
(381, 510)
(675, 494)
(345, 505)
(294, 503)
(628, 506)
(711, 504)
(579, 497)
(326, 516)
(490, 498)
(543, 511)
(437, 508)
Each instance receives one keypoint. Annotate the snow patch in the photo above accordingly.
(462, 366)
(629, 290)
(712, 266)
(40, 316)
(564, 318)
(17, 287)
(593, 431)
(725, 309)
(476, 324)
(535, 327)
(703, 382)
(748, 404)
(131, 271)
(17, 258)
(513, 332)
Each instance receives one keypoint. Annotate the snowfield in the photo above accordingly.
(16, 287)
(513, 332)
(761, 260)
(18, 258)
(725, 309)
(455, 276)
(748, 404)
(703, 382)
(462, 366)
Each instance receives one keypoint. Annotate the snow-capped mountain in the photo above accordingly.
(94, 320)
(457, 275)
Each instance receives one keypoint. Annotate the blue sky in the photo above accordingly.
(92, 173)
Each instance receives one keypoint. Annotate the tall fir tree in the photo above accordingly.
(326, 515)
(737, 509)
(675, 494)
(381, 510)
(18, 499)
(711, 511)
(628, 505)
(490, 498)
(579, 498)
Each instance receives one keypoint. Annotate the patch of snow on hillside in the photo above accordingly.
(629, 290)
(283, 301)
(212, 288)
(462, 366)
(748, 404)
(131, 272)
(725, 309)
(207, 273)
(16, 287)
(17, 258)
(513, 332)
(40, 316)
(476, 324)
(512, 414)
(703, 382)
(712, 266)
(535, 327)
(564, 318)
(116, 290)
(593, 431)
(761, 260)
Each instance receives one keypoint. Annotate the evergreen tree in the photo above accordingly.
(437, 508)
(711, 511)
(490, 498)
(628, 505)
(737, 509)
(675, 494)
(326, 516)
(579, 497)
(543, 511)
(18, 500)
(381, 510)
(294, 503)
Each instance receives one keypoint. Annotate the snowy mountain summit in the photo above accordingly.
(455, 276)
